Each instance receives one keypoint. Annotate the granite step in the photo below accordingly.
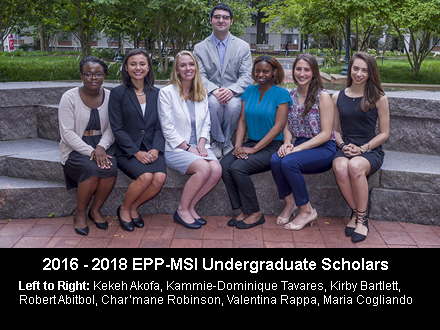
(403, 188)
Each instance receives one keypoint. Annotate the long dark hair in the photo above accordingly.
(149, 78)
(373, 89)
(315, 85)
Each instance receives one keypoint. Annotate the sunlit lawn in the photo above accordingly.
(399, 71)
(47, 68)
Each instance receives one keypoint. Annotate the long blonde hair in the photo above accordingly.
(197, 92)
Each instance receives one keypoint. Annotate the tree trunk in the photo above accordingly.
(261, 28)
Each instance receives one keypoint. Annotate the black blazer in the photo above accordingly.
(130, 128)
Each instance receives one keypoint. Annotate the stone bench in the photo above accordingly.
(32, 181)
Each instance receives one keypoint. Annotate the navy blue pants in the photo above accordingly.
(287, 171)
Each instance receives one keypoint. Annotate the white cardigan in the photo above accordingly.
(73, 117)
(176, 121)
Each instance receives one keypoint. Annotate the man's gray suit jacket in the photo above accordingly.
(237, 65)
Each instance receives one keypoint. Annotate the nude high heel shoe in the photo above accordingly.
(292, 226)
(282, 221)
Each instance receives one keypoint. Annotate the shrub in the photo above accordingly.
(49, 68)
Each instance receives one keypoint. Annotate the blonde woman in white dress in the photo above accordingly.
(185, 120)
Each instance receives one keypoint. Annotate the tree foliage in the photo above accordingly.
(419, 19)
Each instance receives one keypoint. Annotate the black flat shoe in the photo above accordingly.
(243, 225)
(233, 222)
(201, 221)
(100, 225)
(81, 231)
(178, 219)
(127, 226)
(138, 222)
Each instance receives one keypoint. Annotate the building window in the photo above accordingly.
(64, 36)
(289, 38)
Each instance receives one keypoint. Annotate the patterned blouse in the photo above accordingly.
(308, 126)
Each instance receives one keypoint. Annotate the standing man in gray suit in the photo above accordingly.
(225, 63)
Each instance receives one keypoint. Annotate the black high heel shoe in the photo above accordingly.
(194, 225)
(127, 226)
(82, 231)
(100, 225)
(349, 230)
(362, 218)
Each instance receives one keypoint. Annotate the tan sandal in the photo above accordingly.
(292, 226)
(282, 221)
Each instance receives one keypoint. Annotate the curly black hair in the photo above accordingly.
(93, 59)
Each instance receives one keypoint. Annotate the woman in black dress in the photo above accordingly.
(139, 142)
(86, 143)
(358, 108)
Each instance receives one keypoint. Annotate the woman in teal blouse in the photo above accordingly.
(264, 114)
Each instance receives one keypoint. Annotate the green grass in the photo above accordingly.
(48, 68)
(399, 71)
(38, 66)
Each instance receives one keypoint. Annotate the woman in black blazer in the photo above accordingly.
(139, 142)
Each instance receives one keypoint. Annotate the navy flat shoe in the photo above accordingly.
(178, 219)
(100, 225)
(201, 221)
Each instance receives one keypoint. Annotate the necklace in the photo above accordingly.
(300, 94)
(140, 94)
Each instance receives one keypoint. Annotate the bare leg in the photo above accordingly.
(153, 189)
(289, 208)
(340, 168)
(105, 187)
(358, 169)
(216, 173)
(86, 189)
(134, 192)
(200, 171)
(304, 213)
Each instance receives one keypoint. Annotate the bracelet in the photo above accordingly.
(188, 147)
(341, 145)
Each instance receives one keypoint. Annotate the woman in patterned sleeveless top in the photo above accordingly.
(358, 108)
(310, 122)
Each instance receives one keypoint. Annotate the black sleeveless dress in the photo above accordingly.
(79, 167)
(359, 127)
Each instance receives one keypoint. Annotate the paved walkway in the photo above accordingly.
(161, 231)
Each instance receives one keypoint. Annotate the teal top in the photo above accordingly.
(260, 117)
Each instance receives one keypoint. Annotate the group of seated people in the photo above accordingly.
(143, 131)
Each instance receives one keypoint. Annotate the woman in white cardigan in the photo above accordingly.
(185, 120)
(86, 146)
